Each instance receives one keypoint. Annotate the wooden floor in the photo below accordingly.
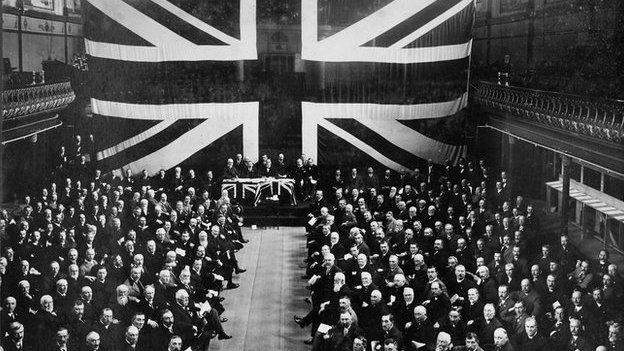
(260, 311)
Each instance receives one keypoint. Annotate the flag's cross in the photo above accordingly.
(347, 45)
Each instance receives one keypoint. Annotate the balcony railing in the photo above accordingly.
(598, 118)
(37, 99)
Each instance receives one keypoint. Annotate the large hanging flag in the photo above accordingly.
(387, 79)
(147, 58)
(397, 52)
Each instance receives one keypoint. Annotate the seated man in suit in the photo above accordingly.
(131, 338)
(443, 342)
(14, 340)
(61, 340)
(501, 340)
(8, 314)
(576, 341)
(267, 170)
(390, 331)
(92, 342)
(229, 171)
(472, 343)
(167, 329)
(175, 343)
(341, 336)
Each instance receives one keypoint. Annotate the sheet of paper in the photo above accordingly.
(323, 328)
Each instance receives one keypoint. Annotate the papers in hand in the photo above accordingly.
(454, 298)
(180, 252)
(418, 344)
(312, 221)
(556, 304)
(323, 328)
(313, 280)
(204, 307)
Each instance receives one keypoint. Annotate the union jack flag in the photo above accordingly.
(156, 125)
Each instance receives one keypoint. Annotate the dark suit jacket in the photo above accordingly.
(229, 173)
(438, 307)
(485, 331)
(506, 347)
(266, 172)
(394, 334)
(183, 317)
(108, 337)
(161, 336)
(338, 341)
(537, 343)
(370, 319)
(420, 332)
(124, 346)
(325, 283)
(580, 344)
(5, 320)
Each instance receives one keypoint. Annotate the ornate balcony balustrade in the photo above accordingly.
(37, 99)
(598, 118)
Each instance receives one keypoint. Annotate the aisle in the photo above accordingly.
(260, 311)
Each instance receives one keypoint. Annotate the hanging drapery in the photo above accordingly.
(377, 81)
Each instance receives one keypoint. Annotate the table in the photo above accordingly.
(257, 186)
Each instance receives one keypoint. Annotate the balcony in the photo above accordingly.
(601, 119)
(582, 127)
(34, 109)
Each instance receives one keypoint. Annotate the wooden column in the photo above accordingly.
(531, 7)
(564, 211)
(504, 147)
(20, 60)
(65, 39)
(510, 156)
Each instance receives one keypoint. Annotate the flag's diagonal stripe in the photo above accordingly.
(150, 145)
(139, 23)
(169, 45)
(455, 30)
(375, 24)
(377, 141)
(139, 138)
(410, 140)
(359, 144)
(174, 23)
(386, 112)
(415, 22)
(95, 20)
(199, 24)
(221, 118)
(432, 24)
(185, 146)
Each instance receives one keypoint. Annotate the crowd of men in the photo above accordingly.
(442, 257)
(449, 258)
(117, 262)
